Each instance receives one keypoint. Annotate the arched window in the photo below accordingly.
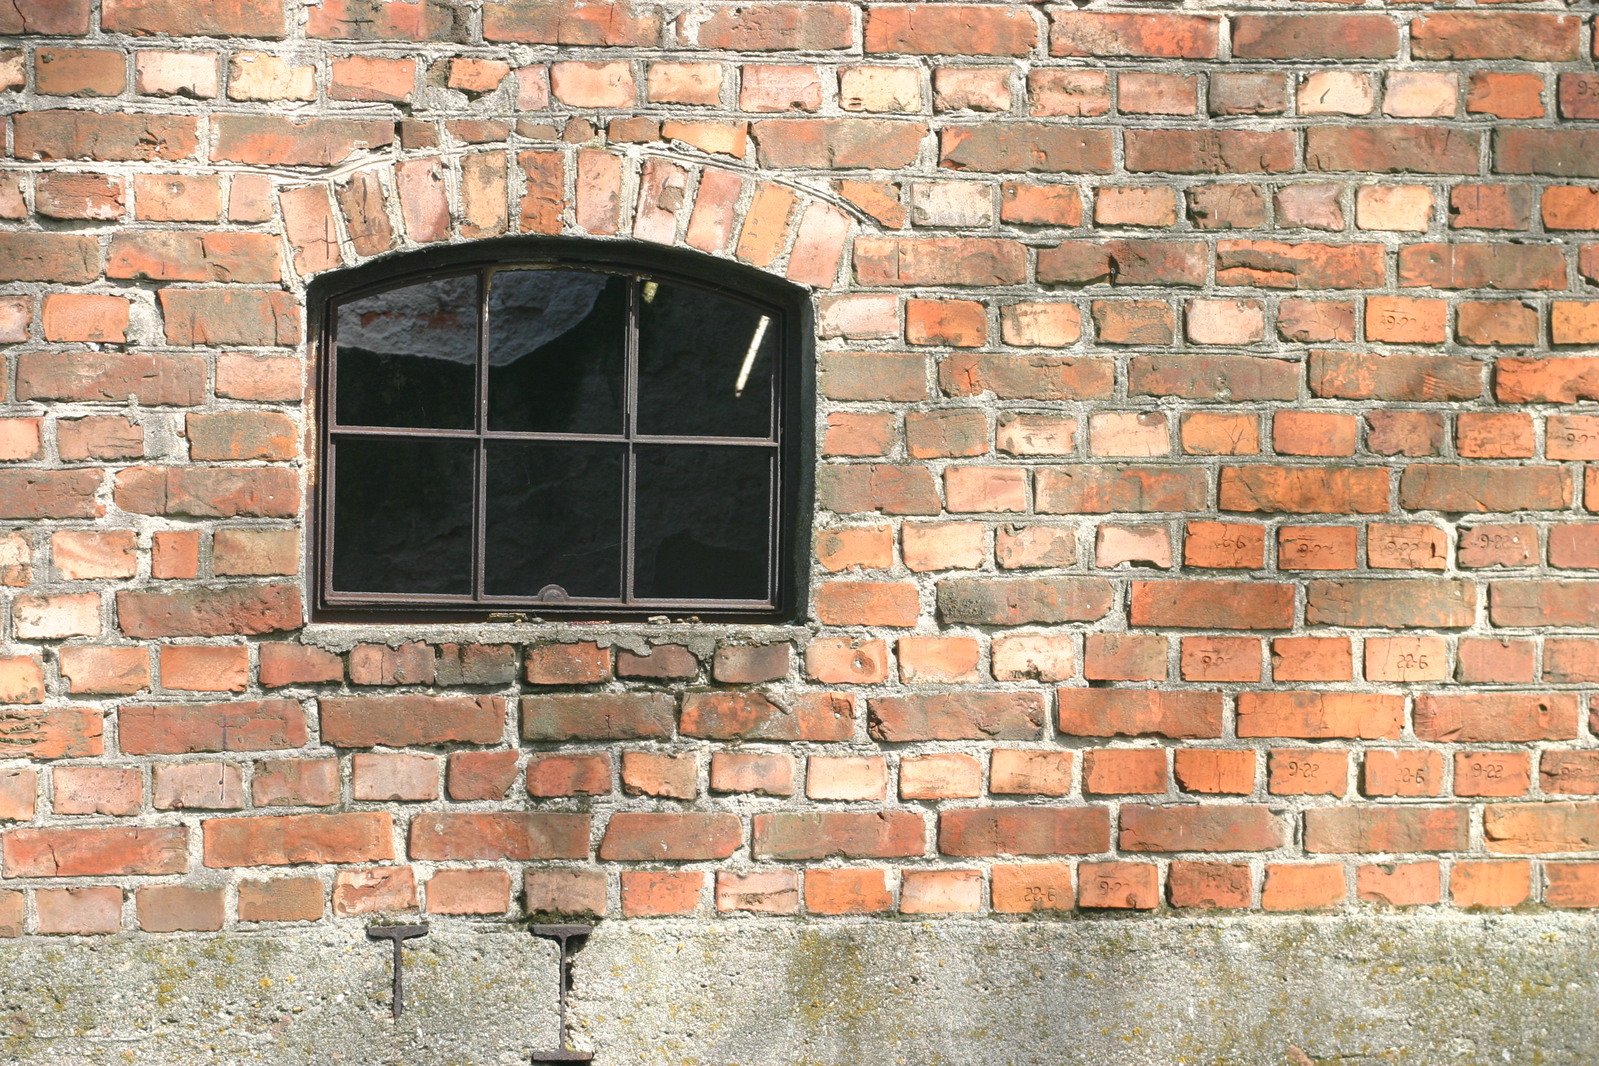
(561, 428)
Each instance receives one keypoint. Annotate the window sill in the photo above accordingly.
(342, 636)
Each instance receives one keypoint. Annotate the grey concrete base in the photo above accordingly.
(1414, 989)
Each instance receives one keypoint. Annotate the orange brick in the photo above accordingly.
(1490, 885)
(1113, 771)
(1308, 772)
(1215, 771)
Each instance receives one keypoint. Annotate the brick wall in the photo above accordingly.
(1202, 516)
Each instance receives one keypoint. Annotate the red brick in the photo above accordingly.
(1303, 886)
(469, 892)
(1038, 377)
(1387, 148)
(377, 890)
(565, 892)
(1214, 771)
(922, 30)
(598, 716)
(113, 790)
(58, 17)
(1209, 885)
(965, 715)
(175, 908)
(281, 899)
(229, 316)
(295, 783)
(1098, 712)
(752, 772)
(867, 603)
(758, 891)
(401, 721)
(284, 664)
(1535, 828)
(240, 725)
(57, 733)
(1187, 604)
(1209, 151)
(64, 852)
(1571, 884)
(1014, 601)
(80, 196)
(1403, 773)
(1025, 147)
(1141, 35)
(1367, 829)
(837, 142)
(641, 836)
(1282, 265)
(1237, 378)
(1496, 718)
(1008, 830)
(1481, 488)
(657, 893)
(1394, 603)
(395, 777)
(1404, 884)
(940, 891)
(847, 891)
(512, 835)
(1192, 828)
(204, 668)
(55, 135)
(933, 777)
(1304, 490)
(1318, 37)
(1307, 772)
(1118, 885)
(1319, 715)
(78, 911)
(1499, 35)
(1031, 772)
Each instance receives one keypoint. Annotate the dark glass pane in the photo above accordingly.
(557, 349)
(554, 519)
(402, 515)
(701, 370)
(701, 526)
(408, 357)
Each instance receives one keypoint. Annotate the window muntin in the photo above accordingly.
(619, 446)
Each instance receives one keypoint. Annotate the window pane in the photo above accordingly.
(702, 522)
(408, 357)
(705, 364)
(402, 515)
(557, 348)
(554, 518)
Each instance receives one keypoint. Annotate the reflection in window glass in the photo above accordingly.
(554, 518)
(703, 522)
(706, 364)
(408, 356)
(557, 348)
(404, 510)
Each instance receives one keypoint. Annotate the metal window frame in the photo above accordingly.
(792, 438)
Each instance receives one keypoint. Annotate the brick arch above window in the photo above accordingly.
(357, 214)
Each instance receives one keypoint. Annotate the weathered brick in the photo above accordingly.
(518, 836)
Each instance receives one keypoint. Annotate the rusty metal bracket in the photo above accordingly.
(563, 935)
(398, 934)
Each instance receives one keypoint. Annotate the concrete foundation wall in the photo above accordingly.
(1421, 989)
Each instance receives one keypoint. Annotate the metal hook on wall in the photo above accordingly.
(398, 934)
(563, 935)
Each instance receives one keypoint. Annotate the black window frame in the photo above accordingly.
(794, 426)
